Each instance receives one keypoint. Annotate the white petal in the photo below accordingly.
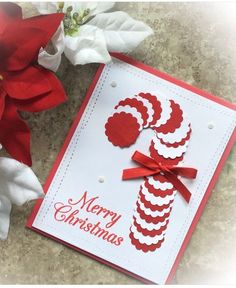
(95, 7)
(5, 210)
(88, 47)
(52, 61)
(18, 182)
(45, 7)
(122, 32)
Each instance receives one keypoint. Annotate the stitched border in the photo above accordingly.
(97, 91)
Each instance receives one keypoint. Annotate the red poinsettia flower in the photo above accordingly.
(24, 85)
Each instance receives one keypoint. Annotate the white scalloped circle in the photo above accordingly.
(149, 107)
(165, 113)
(159, 185)
(134, 112)
(149, 226)
(178, 135)
(157, 200)
(151, 213)
(169, 152)
(146, 239)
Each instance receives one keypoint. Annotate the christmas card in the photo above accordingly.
(136, 169)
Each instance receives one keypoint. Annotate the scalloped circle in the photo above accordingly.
(122, 129)
(138, 105)
(175, 120)
(145, 248)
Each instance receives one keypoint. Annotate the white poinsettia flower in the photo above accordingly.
(88, 34)
(18, 185)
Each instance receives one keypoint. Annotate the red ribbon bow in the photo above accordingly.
(151, 167)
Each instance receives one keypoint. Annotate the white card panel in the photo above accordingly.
(91, 156)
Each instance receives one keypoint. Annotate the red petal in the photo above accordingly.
(9, 9)
(8, 12)
(27, 37)
(27, 83)
(2, 101)
(46, 101)
(47, 23)
(15, 134)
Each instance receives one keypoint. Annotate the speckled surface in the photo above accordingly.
(194, 42)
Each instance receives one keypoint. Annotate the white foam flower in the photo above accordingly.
(87, 34)
(18, 185)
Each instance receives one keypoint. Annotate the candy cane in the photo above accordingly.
(172, 132)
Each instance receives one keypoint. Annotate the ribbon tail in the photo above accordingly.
(138, 172)
(185, 172)
(183, 190)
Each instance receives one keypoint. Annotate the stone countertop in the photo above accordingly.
(195, 42)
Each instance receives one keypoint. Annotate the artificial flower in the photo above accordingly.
(18, 185)
(88, 34)
(24, 85)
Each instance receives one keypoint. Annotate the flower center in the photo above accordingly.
(73, 19)
(1, 77)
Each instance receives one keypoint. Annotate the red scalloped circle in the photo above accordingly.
(176, 118)
(149, 218)
(177, 144)
(152, 207)
(159, 177)
(156, 104)
(144, 247)
(166, 161)
(133, 102)
(147, 232)
(122, 129)
(158, 192)
(149, 205)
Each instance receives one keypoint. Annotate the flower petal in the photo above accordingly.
(45, 7)
(21, 35)
(122, 33)
(52, 61)
(18, 182)
(26, 84)
(98, 7)
(88, 47)
(94, 7)
(5, 210)
(46, 101)
(2, 101)
(10, 10)
(15, 134)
